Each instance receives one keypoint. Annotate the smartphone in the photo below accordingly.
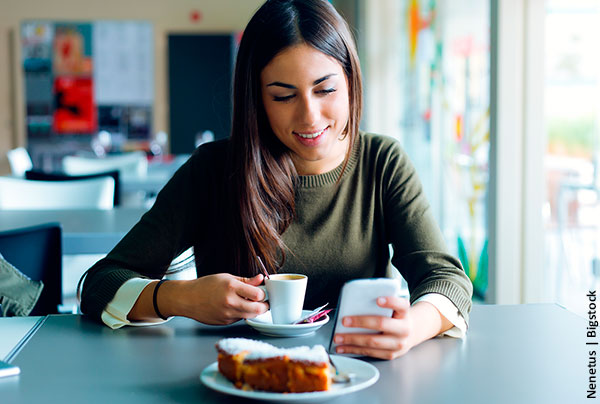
(6, 369)
(359, 297)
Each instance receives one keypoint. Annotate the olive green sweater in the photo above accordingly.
(341, 231)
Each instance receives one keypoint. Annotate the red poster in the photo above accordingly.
(75, 111)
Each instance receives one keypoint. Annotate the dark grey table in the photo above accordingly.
(513, 354)
(85, 231)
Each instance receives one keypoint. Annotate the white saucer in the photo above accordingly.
(366, 375)
(264, 325)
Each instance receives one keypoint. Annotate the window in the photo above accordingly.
(572, 111)
(427, 80)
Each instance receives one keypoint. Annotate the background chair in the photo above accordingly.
(133, 164)
(38, 175)
(19, 161)
(37, 252)
(93, 193)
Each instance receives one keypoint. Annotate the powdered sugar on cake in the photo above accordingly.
(234, 346)
(315, 354)
(258, 350)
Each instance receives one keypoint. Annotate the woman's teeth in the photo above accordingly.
(310, 135)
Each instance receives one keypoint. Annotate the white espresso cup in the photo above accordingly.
(285, 293)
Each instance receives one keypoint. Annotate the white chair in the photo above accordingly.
(132, 164)
(21, 194)
(19, 161)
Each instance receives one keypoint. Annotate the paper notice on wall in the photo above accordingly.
(36, 41)
(123, 63)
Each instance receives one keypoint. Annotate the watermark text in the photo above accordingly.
(592, 343)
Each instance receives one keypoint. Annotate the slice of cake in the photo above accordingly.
(260, 366)
(231, 354)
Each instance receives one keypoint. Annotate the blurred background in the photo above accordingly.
(496, 102)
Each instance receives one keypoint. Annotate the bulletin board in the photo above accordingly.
(84, 77)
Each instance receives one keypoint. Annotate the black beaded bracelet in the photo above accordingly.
(154, 302)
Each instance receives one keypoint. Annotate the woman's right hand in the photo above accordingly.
(219, 299)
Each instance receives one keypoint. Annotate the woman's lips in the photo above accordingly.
(310, 138)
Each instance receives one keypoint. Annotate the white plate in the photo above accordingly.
(366, 375)
(264, 325)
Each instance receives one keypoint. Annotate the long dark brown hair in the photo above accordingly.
(261, 175)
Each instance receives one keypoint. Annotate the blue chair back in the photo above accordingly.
(37, 252)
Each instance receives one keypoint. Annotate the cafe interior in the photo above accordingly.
(495, 102)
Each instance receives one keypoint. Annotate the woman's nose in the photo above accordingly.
(308, 110)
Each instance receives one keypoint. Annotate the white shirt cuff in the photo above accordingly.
(448, 310)
(115, 313)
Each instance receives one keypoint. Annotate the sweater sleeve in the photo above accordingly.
(164, 232)
(420, 252)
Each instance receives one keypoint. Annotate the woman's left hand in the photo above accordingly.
(395, 337)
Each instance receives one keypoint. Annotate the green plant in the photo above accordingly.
(478, 277)
(576, 136)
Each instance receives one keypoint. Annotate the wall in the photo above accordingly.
(7, 136)
(167, 17)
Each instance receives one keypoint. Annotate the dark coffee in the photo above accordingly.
(284, 277)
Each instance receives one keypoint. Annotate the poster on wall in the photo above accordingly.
(36, 52)
(72, 50)
(75, 111)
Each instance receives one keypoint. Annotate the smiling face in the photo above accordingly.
(305, 95)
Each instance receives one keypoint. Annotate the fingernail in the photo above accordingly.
(347, 321)
(381, 300)
(339, 340)
(340, 350)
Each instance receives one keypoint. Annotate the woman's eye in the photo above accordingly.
(283, 99)
(326, 91)
(289, 97)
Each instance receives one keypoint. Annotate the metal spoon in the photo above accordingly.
(340, 377)
(265, 272)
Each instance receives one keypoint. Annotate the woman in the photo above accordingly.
(298, 186)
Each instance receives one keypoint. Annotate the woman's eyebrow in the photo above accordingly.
(317, 81)
(285, 85)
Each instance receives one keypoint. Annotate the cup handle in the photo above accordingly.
(264, 289)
